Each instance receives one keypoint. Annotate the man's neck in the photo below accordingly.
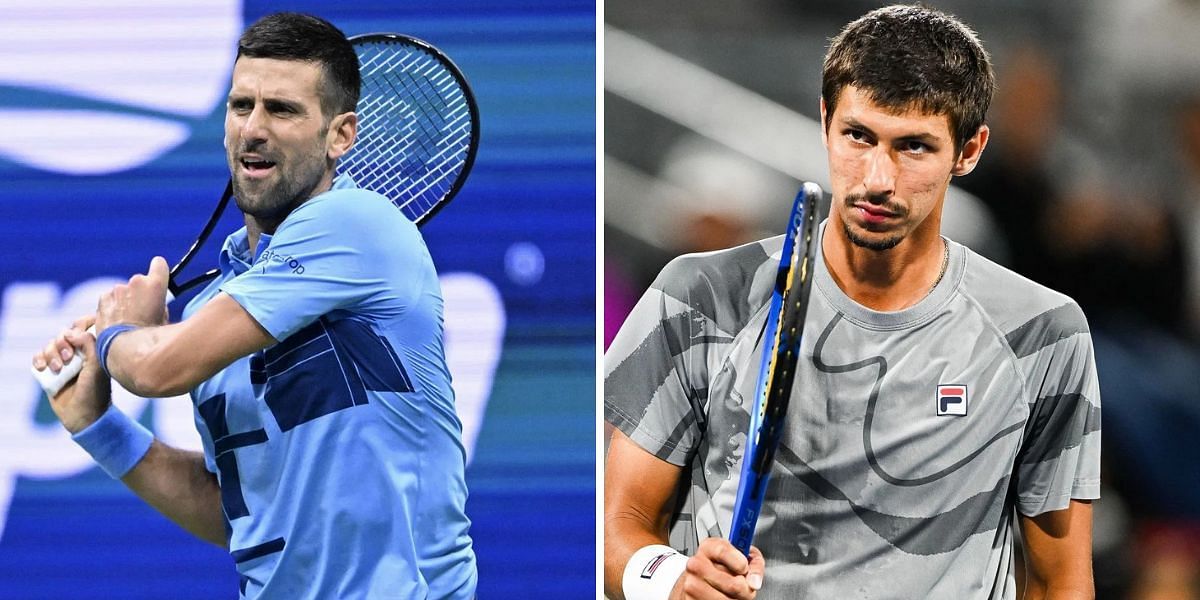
(256, 226)
(254, 230)
(886, 280)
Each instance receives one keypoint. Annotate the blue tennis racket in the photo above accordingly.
(777, 370)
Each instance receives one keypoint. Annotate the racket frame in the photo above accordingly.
(780, 357)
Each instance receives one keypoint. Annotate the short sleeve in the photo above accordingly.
(656, 369)
(339, 251)
(1060, 455)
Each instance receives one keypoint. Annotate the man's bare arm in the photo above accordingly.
(175, 482)
(178, 485)
(1058, 553)
(172, 359)
(638, 492)
(638, 488)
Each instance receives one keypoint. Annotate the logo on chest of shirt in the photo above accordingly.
(951, 400)
(268, 257)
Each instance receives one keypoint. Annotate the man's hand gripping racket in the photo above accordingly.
(777, 371)
(417, 139)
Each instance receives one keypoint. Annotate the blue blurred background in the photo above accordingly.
(111, 153)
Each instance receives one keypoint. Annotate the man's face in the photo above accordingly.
(890, 170)
(276, 138)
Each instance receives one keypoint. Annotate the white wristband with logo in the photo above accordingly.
(651, 573)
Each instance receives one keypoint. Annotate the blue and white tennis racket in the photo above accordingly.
(417, 138)
(777, 370)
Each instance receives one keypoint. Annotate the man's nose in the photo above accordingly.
(881, 168)
(254, 127)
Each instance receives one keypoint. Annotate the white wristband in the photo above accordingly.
(651, 573)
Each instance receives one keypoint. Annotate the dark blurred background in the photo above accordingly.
(1090, 185)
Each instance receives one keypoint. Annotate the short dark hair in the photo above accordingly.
(913, 57)
(293, 36)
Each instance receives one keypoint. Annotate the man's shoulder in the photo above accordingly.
(734, 265)
(725, 285)
(351, 202)
(360, 217)
(1029, 314)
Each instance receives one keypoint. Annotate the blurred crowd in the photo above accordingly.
(1124, 242)
(1101, 203)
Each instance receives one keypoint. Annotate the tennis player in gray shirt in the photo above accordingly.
(940, 399)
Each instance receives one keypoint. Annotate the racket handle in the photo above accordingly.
(52, 383)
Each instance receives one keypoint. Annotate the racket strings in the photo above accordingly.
(416, 127)
(399, 141)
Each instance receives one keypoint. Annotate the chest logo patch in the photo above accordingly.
(951, 400)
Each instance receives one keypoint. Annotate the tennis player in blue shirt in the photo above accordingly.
(333, 462)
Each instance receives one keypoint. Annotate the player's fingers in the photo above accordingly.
(50, 356)
(46, 355)
(81, 339)
(41, 360)
(707, 580)
(64, 347)
(723, 554)
(719, 566)
(82, 323)
(158, 271)
(694, 590)
(757, 567)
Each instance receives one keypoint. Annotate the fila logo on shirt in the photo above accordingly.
(951, 400)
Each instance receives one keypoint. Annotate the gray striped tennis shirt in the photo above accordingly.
(912, 436)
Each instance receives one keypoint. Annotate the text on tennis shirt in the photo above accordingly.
(269, 256)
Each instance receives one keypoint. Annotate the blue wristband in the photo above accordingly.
(104, 342)
(115, 441)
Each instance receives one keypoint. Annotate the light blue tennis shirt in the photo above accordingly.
(338, 449)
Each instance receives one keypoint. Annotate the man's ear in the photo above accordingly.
(824, 127)
(343, 130)
(971, 151)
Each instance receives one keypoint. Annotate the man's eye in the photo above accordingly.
(282, 108)
(856, 135)
(915, 147)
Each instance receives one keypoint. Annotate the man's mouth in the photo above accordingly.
(875, 211)
(872, 214)
(256, 166)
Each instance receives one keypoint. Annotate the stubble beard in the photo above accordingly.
(876, 244)
(275, 198)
